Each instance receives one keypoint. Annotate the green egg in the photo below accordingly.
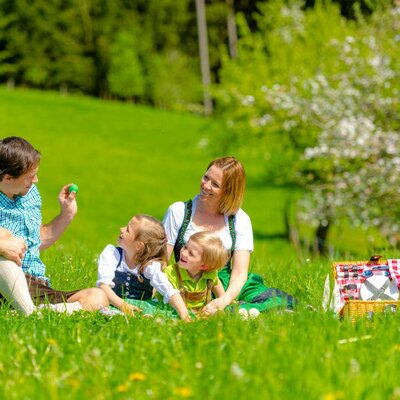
(73, 188)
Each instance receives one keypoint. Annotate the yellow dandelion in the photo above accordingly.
(175, 365)
(122, 388)
(137, 376)
(51, 342)
(220, 335)
(396, 347)
(183, 391)
(73, 382)
(333, 396)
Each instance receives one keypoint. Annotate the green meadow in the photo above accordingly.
(128, 159)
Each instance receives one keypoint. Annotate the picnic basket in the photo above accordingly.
(364, 308)
(354, 307)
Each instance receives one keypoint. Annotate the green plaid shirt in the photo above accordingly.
(22, 216)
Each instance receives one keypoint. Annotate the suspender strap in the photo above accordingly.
(180, 242)
(231, 224)
(209, 287)
(182, 289)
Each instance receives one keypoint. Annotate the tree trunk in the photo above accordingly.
(203, 51)
(232, 32)
(320, 243)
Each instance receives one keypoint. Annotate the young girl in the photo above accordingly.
(133, 269)
(196, 272)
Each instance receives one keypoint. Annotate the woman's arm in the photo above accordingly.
(218, 290)
(240, 267)
(116, 301)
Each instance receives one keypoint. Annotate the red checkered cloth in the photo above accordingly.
(350, 277)
(394, 270)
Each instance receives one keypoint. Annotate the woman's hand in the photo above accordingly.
(216, 305)
(130, 309)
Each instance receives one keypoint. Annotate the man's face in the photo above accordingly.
(12, 187)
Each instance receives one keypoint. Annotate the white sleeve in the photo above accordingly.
(173, 220)
(159, 281)
(244, 232)
(106, 265)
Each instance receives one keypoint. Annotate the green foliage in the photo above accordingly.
(174, 81)
(290, 46)
(41, 45)
(126, 77)
(119, 48)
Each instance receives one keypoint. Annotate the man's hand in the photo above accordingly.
(49, 233)
(13, 248)
(69, 206)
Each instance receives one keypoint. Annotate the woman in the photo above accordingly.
(217, 209)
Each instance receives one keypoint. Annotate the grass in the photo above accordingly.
(129, 160)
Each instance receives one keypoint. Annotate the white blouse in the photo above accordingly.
(107, 265)
(173, 220)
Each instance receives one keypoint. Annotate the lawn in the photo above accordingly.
(129, 159)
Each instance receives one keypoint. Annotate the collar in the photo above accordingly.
(17, 198)
(186, 277)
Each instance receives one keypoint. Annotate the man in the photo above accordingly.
(22, 235)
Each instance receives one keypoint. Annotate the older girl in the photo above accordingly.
(131, 270)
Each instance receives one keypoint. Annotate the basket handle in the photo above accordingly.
(375, 258)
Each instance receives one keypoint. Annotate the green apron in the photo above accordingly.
(254, 293)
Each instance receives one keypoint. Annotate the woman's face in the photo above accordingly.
(211, 185)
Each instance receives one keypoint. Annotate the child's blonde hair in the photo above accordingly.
(151, 233)
(214, 255)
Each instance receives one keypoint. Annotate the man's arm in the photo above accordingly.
(12, 247)
(50, 232)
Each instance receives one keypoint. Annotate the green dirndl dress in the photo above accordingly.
(254, 293)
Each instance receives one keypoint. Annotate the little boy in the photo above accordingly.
(196, 273)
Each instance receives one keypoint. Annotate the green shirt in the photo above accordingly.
(190, 284)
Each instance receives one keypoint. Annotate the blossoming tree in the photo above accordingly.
(334, 110)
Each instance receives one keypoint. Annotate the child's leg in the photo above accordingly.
(14, 288)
